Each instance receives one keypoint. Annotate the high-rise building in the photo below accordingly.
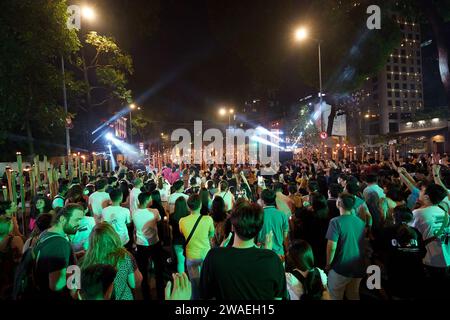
(396, 92)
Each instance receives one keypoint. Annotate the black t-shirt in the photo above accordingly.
(332, 209)
(51, 255)
(403, 262)
(242, 274)
(314, 230)
(232, 183)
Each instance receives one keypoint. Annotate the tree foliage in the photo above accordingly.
(141, 126)
(33, 37)
(106, 72)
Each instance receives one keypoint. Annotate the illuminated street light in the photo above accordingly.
(132, 107)
(89, 13)
(301, 34)
(224, 111)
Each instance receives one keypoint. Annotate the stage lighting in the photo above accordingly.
(109, 136)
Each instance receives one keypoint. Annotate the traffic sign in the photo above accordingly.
(323, 135)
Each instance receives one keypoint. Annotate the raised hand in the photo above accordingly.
(182, 288)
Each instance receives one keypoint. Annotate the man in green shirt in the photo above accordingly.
(345, 251)
(275, 221)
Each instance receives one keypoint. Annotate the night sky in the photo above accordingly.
(183, 69)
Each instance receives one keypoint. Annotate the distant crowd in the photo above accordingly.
(307, 232)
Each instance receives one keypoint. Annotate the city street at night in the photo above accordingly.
(210, 158)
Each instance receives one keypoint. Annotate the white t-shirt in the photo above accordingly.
(145, 221)
(173, 198)
(374, 188)
(228, 198)
(118, 217)
(428, 221)
(80, 241)
(97, 201)
(295, 287)
(134, 201)
(165, 192)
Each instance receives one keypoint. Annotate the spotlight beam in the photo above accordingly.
(266, 142)
(113, 118)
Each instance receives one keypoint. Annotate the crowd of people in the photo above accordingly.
(308, 232)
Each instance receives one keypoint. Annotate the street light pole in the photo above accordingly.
(69, 151)
(320, 87)
(131, 128)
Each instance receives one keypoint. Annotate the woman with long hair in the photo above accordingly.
(39, 205)
(105, 247)
(123, 186)
(181, 211)
(219, 216)
(206, 201)
(305, 281)
(314, 221)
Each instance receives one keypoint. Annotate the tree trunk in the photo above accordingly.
(442, 42)
(86, 81)
(90, 123)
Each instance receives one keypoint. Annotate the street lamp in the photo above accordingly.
(224, 111)
(302, 34)
(132, 107)
(89, 14)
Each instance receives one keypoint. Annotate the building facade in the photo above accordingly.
(395, 94)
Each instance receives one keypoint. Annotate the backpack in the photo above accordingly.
(25, 286)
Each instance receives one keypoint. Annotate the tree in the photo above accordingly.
(34, 36)
(105, 69)
(141, 126)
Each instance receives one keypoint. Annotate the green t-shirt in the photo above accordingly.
(348, 232)
(277, 222)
